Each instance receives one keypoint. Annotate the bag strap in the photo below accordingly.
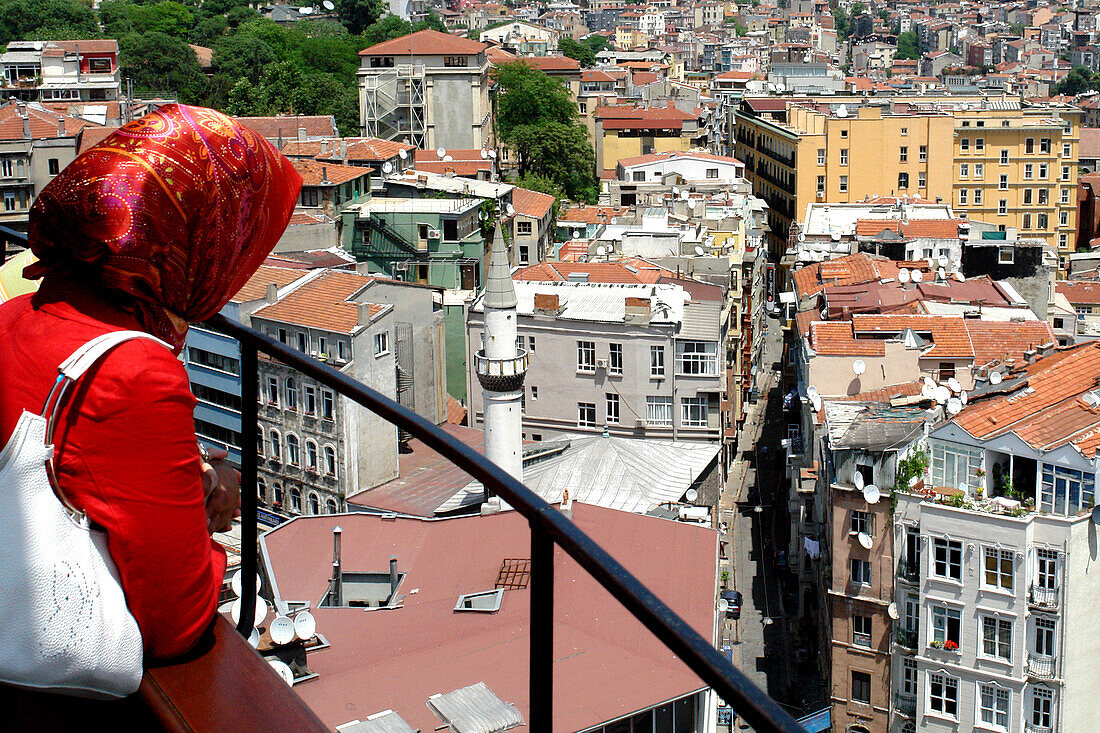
(69, 371)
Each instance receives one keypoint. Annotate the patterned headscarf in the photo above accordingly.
(174, 212)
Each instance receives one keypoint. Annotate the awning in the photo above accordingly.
(817, 722)
(786, 297)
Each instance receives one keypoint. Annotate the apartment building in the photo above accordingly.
(61, 71)
(996, 585)
(1008, 162)
(428, 89)
(626, 132)
(632, 353)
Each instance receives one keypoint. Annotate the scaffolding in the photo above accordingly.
(394, 104)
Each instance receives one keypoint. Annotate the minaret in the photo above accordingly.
(501, 367)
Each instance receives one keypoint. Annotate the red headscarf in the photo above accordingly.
(175, 211)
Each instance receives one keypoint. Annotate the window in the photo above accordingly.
(523, 227)
(1063, 240)
(531, 344)
(311, 454)
(712, 172)
(1005, 255)
(586, 357)
(844, 133)
(922, 179)
(979, 170)
(964, 196)
(821, 184)
(534, 392)
(1028, 197)
(861, 687)
(327, 405)
(261, 489)
(7, 167)
(9, 201)
(947, 558)
(1029, 146)
(1044, 145)
(1004, 156)
(314, 503)
(276, 445)
(639, 176)
(996, 637)
(909, 676)
(964, 144)
(1042, 171)
(979, 144)
(310, 400)
(953, 464)
(454, 61)
(381, 343)
(1029, 171)
(1063, 195)
(922, 154)
(1044, 636)
(945, 626)
(697, 357)
(293, 457)
(1065, 173)
(903, 154)
(260, 445)
(964, 170)
(277, 493)
(586, 414)
(943, 694)
(1026, 222)
(291, 393)
(844, 184)
(330, 460)
(1002, 182)
(977, 196)
(1042, 220)
(903, 180)
(272, 390)
(612, 406)
(844, 156)
(1065, 491)
(994, 706)
(905, 131)
(615, 359)
(1067, 150)
(296, 500)
(656, 361)
(1044, 196)
(1042, 707)
(693, 412)
(659, 411)
(54, 166)
(859, 521)
(1002, 206)
(821, 156)
(331, 507)
(861, 630)
(860, 571)
(1046, 575)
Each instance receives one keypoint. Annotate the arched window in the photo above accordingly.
(291, 393)
(276, 445)
(293, 456)
(311, 455)
(277, 491)
(260, 441)
(330, 460)
(314, 504)
(261, 489)
(296, 500)
(330, 506)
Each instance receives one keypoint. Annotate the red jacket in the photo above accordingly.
(126, 454)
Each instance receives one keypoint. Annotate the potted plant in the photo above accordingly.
(951, 646)
(936, 644)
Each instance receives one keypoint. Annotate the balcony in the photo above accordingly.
(906, 638)
(908, 572)
(1041, 666)
(905, 704)
(1030, 727)
(1044, 598)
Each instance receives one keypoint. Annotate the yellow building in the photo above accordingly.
(1002, 162)
(627, 132)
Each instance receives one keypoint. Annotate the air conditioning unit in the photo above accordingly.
(640, 423)
(434, 234)
(601, 363)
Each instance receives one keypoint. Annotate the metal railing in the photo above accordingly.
(910, 573)
(1040, 666)
(549, 527)
(1040, 597)
(906, 638)
(1036, 728)
(905, 704)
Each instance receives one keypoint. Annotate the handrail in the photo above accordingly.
(548, 527)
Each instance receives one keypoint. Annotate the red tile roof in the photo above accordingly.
(924, 228)
(836, 338)
(850, 270)
(425, 42)
(591, 214)
(314, 172)
(552, 63)
(88, 45)
(44, 123)
(998, 340)
(93, 135)
(256, 287)
(1085, 293)
(620, 271)
(322, 303)
(286, 126)
(531, 203)
(950, 338)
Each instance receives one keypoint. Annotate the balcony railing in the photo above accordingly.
(906, 638)
(1040, 597)
(1040, 666)
(1030, 727)
(905, 704)
(909, 572)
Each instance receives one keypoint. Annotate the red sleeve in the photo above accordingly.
(135, 441)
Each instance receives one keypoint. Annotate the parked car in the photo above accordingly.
(733, 603)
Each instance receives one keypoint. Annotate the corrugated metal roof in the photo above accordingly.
(475, 709)
(385, 722)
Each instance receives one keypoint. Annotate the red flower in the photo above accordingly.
(950, 645)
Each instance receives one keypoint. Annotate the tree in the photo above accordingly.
(597, 43)
(857, 9)
(841, 23)
(171, 18)
(156, 61)
(358, 15)
(27, 19)
(1079, 80)
(386, 28)
(907, 46)
(579, 51)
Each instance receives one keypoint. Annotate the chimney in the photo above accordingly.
(324, 174)
(61, 125)
(343, 149)
(337, 581)
(546, 304)
(638, 310)
(272, 294)
(280, 138)
(364, 313)
(26, 125)
(393, 575)
(301, 134)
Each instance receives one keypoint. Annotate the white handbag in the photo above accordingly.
(64, 624)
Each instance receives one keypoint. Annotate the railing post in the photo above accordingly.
(542, 632)
(250, 386)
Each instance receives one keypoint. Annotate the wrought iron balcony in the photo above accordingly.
(1041, 666)
(906, 638)
(908, 572)
(1046, 598)
(905, 704)
(1030, 727)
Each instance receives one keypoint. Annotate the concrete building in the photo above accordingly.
(327, 187)
(532, 226)
(627, 132)
(428, 89)
(61, 71)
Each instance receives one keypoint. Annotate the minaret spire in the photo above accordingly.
(501, 366)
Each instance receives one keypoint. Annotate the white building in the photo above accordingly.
(61, 71)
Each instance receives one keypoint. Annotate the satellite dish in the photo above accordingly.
(954, 384)
(685, 195)
(995, 378)
(723, 605)
(691, 495)
(892, 611)
(441, 152)
(942, 394)
(941, 274)
(926, 391)
(235, 584)
(962, 397)
(601, 251)
(402, 154)
(282, 630)
(816, 402)
(857, 479)
(931, 263)
(387, 167)
(283, 670)
(493, 154)
(699, 251)
(328, 5)
(1096, 515)
(448, 159)
(917, 276)
(903, 276)
(859, 366)
(942, 260)
(692, 205)
(961, 278)
(305, 626)
(510, 209)
(842, 111)
(484, 153)
(954, 406)
(811, 391)
(929, 383)
(254, 638)
(305, 11)
(871, 494)
(577, 233)
(675, 190)
(865, 540)
(261, 611)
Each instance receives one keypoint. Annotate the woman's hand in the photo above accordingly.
(222, 484)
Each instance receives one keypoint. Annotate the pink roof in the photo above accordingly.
(606, 663)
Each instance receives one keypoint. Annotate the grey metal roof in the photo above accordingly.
(872, 426)
(600, 302)
(500, 292)
(475, 709)
(385, 722)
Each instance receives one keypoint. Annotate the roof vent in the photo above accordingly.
(578, 277)
(484, 602)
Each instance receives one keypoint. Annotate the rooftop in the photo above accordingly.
(601, 302)
(316, 173)
(425, 43)
(324, 302)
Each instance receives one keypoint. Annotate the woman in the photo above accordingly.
(157, 225)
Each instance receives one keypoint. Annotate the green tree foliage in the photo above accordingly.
(841, 22)
(537, 119)
(579, 51)
(25, 20)
(358, 15)
(170, 18)
(160, 62)
(597, 43)
(390, 26)
(1079, 80)
(858, 9)
(907, 46)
